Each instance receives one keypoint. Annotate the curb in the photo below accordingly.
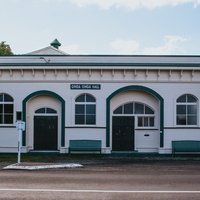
(39, 167)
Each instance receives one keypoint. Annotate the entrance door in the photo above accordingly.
(45, 133)
(123, 134)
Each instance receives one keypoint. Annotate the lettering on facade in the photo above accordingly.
(85, 86)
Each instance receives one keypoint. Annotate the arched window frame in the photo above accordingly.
(6, 109)
(46, 111)
(187, 110)
(85, 109)
(145, 115)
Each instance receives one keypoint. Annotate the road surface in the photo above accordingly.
(107, 180)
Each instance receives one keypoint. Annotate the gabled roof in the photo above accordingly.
(50, 50)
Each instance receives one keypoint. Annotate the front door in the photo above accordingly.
(123, 134)
(45, 133)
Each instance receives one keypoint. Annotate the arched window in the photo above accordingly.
(85, 110)
(45, 111)
(6, 109)
(186, 110)
(145, 115)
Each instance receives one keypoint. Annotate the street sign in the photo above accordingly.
(20, 125)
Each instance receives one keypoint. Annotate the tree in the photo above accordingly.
(5, 49)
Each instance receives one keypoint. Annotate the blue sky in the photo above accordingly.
(135, 27)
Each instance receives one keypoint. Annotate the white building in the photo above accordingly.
(130, 103)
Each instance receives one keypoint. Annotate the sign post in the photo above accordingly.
(20, 125)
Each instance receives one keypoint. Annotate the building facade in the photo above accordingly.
(130, 103)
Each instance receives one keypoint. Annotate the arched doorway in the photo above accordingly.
(44, 110)
(135, 112)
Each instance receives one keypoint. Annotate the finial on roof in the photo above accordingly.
(56, 44)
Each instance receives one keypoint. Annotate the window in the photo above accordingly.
(186, 110)
(19, 115)
(6, 109)
(145, 115)
(85, 110)
(145, 121)
(45, 111)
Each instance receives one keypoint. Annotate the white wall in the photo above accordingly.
(180, 134)
(170, 87)
(8, 140)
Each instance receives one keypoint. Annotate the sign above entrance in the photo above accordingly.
(85, 86)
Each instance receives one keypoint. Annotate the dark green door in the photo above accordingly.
(45, 133)
(123, 134)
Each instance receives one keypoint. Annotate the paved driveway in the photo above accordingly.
(110, 179)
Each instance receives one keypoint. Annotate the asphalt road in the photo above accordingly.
(115, 180)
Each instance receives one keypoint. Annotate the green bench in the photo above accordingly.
(189, 146)
(84, 145)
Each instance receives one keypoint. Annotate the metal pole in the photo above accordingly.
(19, 146)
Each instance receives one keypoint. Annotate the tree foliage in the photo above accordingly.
(5, 49)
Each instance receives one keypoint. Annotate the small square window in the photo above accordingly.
(192, 120)
(192, 109)
(181, 120)
(80, 109)
(80, 119)
(90, 119)
(181, 109)
(19, 115)
(8, 108)
(8, 119)
(90, 109)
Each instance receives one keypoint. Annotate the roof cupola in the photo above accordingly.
(56, 44)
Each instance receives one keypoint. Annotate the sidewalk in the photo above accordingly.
(52, 161)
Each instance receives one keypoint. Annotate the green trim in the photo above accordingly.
(106, 55)
(93, 64)
(45, 92)
(141, 88)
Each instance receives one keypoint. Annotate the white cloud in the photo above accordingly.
(172, 45)
(134, 4)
